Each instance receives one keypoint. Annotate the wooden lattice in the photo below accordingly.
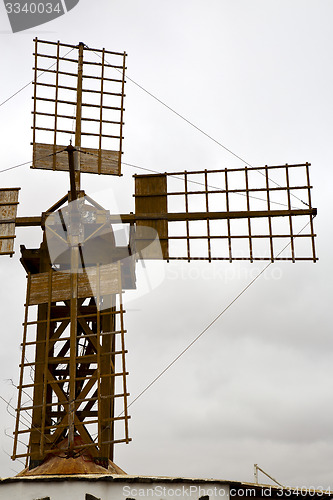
(79, 96)
(229, 214)
(56, 365)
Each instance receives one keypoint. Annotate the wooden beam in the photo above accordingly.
(131, 218)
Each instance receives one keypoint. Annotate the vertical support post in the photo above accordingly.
(248, 209)
(101, 116)
(35, 98)
(108, 379)
(122, 114)
(292, 243)
(122, 330)
(208, 224)
(56, 108)
(41, 335)
(72, 173)
(74, 243)
(187, 221)
(256, 473)
(98, 352)
(228, 210)
(78, 113)
(269, 218)
(24, 345)
(46, 366)
(311, 218)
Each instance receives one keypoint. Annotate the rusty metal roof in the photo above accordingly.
(63, 464)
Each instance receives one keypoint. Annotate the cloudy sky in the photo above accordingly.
(257, 76)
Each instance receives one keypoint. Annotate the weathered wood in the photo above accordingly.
(208, 222)
(295, 193)
(48, 42)
(182, 216)
(146, 205)
(310, 206)
(37, 439)
(43, 159)
(227, 201)
(61, 284)
(237, 169)
(248, 209)
(8, 210)
(50, 394)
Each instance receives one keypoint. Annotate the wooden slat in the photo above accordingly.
(292, 244)
(122, 109)
(122, 328)
(61, 284)
(145, 204)
(230, 191)
(54, 158)
(245, 258)
(67, 59)
(241, 236)
(311, 217)
(6, 243)
(88, 164)
(48, 42)
(107, 409)
(187, 221)
(208, 222)
(269, 218)
(38, 371)
(66, 73)
(101, 117)
(46, 356)
(34, 123)
(238, 169)
(248, 208)
(228, 209)
(8, 203)
(8, 211)
(98, 351)
(19, 401)
(182, 216)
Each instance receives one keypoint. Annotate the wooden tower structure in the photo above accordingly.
(72, 387)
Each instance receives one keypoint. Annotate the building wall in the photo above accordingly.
(106, 490)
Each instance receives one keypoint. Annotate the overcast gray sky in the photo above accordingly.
(257, 76)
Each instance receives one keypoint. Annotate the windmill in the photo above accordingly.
(73, 328)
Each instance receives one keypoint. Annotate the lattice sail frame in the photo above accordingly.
(227, 214)
(86, 104)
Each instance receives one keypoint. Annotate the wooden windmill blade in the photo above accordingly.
(8, 211)
(79, 97)
(227, 214)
